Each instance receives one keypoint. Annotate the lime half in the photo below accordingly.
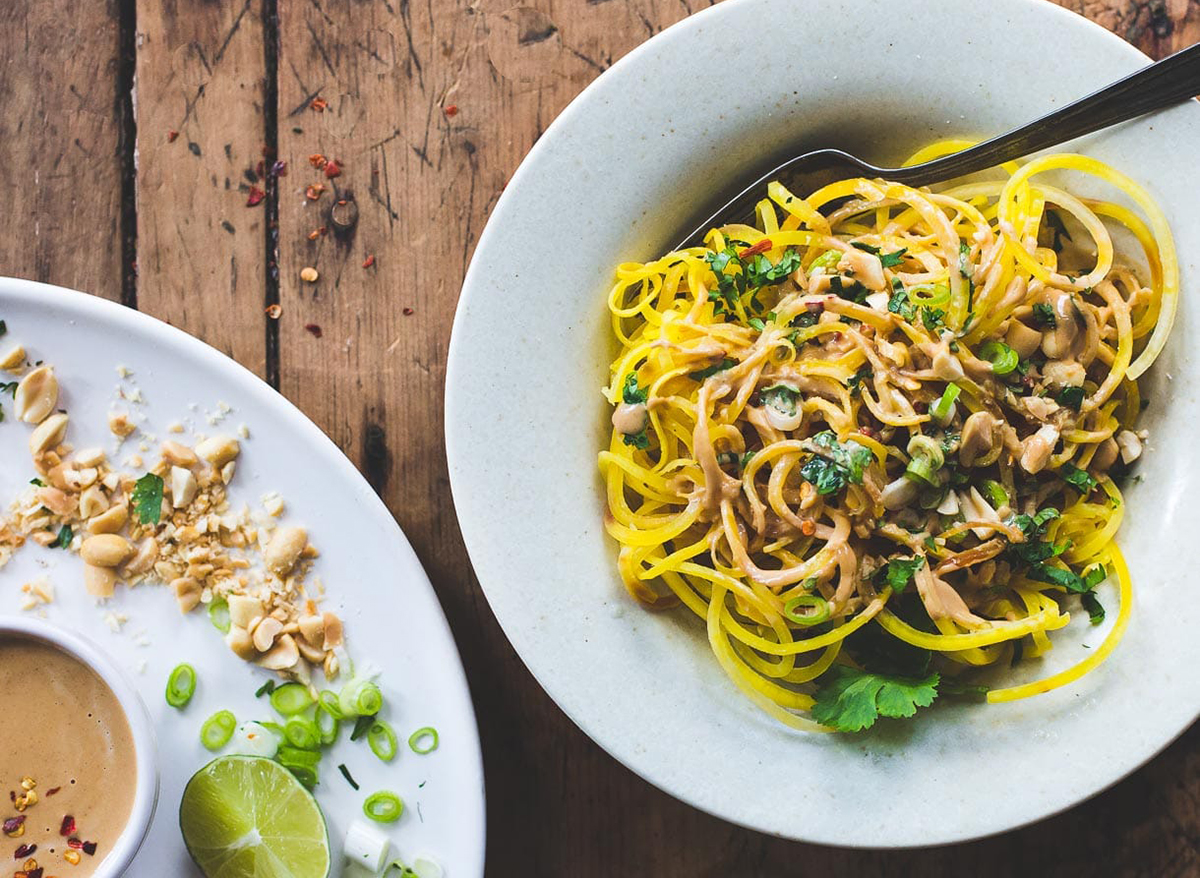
(248, 817)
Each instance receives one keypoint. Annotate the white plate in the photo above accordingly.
(613, 179)
(373, 578)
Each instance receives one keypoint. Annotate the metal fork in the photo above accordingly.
(1169, 81)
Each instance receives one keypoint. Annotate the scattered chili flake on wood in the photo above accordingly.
(74, 843)
(314, 329)
(319, 104)
(317, 232)
(314, 190)
(332, 169)
(53, 791)
(89, 848)
(369, 261)
(317, 160)
(273, 311)
(255, 197)
(68, 826)
(24, 851)
(14, 827)
(172, 136)
(408, 312)
(451, 110)
(279, 169)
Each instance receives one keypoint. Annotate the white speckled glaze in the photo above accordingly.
(613, 179)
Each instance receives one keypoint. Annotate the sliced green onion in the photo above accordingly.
(218, 614)
(349, 777)
(218, 729)
(274, 727)
(181, 686)
(290, 757)
(360, 698)
(819, 609)
(361, 726)
(383, 807)
(328, 700)
(995, 493)
(304, 774)
(943, 409)
(828, 259)
(328, 726)
(1003, 358)
(265, 689)
(301, 732)
(414, 740)
(382, 740)
(929, 295)
(291, 698)
(927, 458)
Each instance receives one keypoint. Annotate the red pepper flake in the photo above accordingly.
(256, 196)
(279, 169)
(12, 826)
(273, 311)
(317, 160)
(319, 104)
(761, 247)
(74, 844)
(369, 261)
(332, 169)
(314, 329)
(89, 848)
(317, 233)
(35, 873)
(450, 110)
(53, 791)
(24, 851)
(68, 826)
(172, 136)
(408, 312)
(314, 190)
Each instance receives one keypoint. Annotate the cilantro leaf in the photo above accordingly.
(898, 303)
(1076, 477)
(63, 540)
(1043, 316)
(1070, 397)
(891, 260)
(853, 291)
(839, 463)
(1094, 608)
(899, 572)
(849, 700)
(865, 247)
(949, 687)
(933, 318)
(781, 397)
(1068, 579)
(638, 440)
(855, 381)
(632, 393)
(147, 498)
(709, 371)
(10, 388)
(36, 481)
(824, 475)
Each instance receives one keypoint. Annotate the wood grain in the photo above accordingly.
(60, 136)
(201, 263)
(431, 106)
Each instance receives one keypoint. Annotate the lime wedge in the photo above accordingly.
(248, 817)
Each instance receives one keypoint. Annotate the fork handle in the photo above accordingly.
(1169, 81)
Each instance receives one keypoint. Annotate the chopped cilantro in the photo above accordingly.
(1076, 477)
(147, 498)
(865, 247)
(632, 393)
(1070, 397)
(899, 572)
(948, 687)
(964, 260)
(36, 481)
(781, 397)
(891, 260)
(854, 291)
(746, 458)
(1068, 579)
(736, 277)
(1043, 316)
(709, 371)
(3, 328)
(10, 388)
(933, 318)
(838, 464)
(1094, 608)
(854, 382)
(757, 323)
(63, 540)
(637, 440)
(898, 303)
(849, 700)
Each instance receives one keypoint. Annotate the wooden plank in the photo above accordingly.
(61, 130)
(1157, 27)
(201, 250)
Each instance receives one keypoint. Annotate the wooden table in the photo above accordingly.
(137, 137)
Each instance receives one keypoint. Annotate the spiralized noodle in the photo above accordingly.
(887, 415)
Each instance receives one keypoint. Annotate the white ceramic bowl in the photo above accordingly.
(145, 796)
(614, 179)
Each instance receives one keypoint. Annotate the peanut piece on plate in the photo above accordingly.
(105, 550)
(177, 454)
(244, 609)
(48, 434)
(283, 655)
(183, 487)
(13, 360)
(218, 450)
(187, 592)
(238, 639)
(99, 581)
(109, 522)
(283, 551)
(265, 633)
(36, 395)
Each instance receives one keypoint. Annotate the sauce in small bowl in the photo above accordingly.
(77, 755)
